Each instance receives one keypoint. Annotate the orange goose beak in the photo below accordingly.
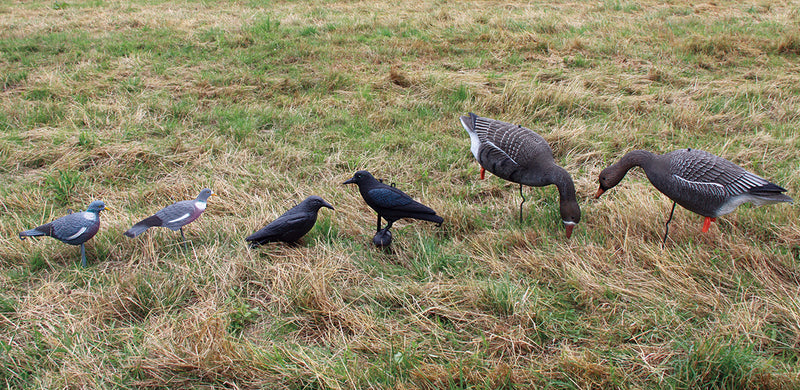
(600, 191)
(569, 227)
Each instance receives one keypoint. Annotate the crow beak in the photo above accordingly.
(569, 226)
(350, 181)
(328, 205)
(600, 191)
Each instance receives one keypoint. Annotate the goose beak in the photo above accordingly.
(569, 226)
(600, 191)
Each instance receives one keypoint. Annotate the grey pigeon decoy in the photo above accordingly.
(73, 229)
(699, 181)
(174, 216)
(292, 225)
(383, 238)
(389, 202)
(519, 155)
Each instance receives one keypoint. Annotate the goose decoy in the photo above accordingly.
(519, 155)
(699, 181)
(72, 229)
(389, 202)
(292, 225)
(174, 216)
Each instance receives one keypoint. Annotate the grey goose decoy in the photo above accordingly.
(73, 229)
(390, 203)
(174, 216)
(699, 181)
(291, 225)
(519, 155)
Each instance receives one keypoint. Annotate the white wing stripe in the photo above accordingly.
(76, 235)
(182, 217)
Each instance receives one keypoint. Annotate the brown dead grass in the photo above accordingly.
(605, 309)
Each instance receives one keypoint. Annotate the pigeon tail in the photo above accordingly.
(31, 233)
(143, 225)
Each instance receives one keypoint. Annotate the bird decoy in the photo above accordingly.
(383, 238)
(73, 229)
(519, 155)
(174, 216)
(699, 181)
(292, 225)
(389, 202)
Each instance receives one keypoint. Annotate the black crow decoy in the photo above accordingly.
(389, 202)
(292, 225)
(73, 229)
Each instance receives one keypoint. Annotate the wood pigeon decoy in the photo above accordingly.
(73, 229)
(174, 216)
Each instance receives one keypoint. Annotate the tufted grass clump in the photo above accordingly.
(143, 104)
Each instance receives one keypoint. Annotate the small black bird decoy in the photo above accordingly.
(699, 181)
(383, 238)
(174, 216)
(519, 155)
(73, 229)
(389, 202)
(292, 225)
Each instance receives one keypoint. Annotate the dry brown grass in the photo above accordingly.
(143, 104)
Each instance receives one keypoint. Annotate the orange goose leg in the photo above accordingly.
(707, 223)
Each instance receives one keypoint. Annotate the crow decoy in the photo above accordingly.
(389, 202)
(292, 225)
(73, 229)
(699, 181)
(519, 155)
(174, 216)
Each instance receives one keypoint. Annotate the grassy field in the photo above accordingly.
(143, 103)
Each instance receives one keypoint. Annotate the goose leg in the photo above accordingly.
(666, 227)
(83, 256)
(520, 205)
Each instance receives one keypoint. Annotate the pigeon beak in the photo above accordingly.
(600, 191)
(350, 181)
(569, 226)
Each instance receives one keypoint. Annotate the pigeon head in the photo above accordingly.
(204, 194)
(96, 207)
(360, 177)
(315, 203)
